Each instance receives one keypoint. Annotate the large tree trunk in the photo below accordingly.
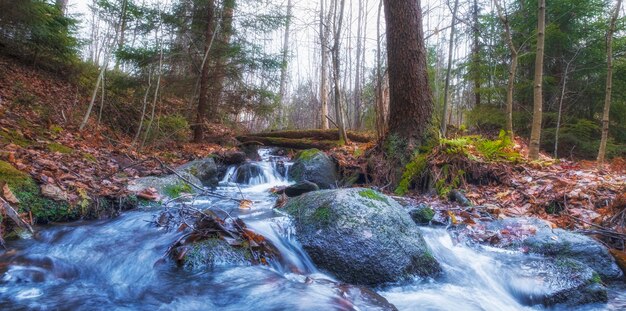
(512, 70)
(219, 71)
(324, 34)
(337, 69)
(444, 113)
(203, 98)
(411, 103)
(535, 135)
(609, 84)
(284, 67)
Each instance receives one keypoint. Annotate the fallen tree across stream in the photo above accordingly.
(303, 139)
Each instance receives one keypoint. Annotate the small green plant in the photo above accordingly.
(177, 189)
(412, 171)
(307, 155)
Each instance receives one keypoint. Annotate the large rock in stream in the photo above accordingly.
(560, 267)
(199, 172)
(315, 166)
(361, 236)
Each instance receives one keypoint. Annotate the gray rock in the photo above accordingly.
(555, 281)
(537, 236)
(233, 158)
(361, 236)
(164, 185)
(301, 188)
(204, 170)
(566, 244)
(315, 166)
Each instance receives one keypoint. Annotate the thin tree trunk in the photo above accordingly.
(337, 69)
(143, 110)
(62, 6)
(561, 99)
(476, 54)
(535, 135)
(512, 70)
(203, 98)
(154, 98)
(101, 101)
(609, 84)
(284, 67)
(121, 42)
(411, 105)
(444, 113)
(357, 75)
(324, 34)
(381, 121)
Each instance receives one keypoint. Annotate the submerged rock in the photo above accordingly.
(315, 166)
(422, 214)
(246, 172)
(537, 236)
(300, 188)
(209, 254)
(361, 236)
(556, 281)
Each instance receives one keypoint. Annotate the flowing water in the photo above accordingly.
(111, 265)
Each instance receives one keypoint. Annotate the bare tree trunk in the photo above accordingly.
(561, 98)
(381, 120)
(337, 69)
(476, 54)
(122, 30)
(203, 98)
(61, 5)
(357, 75)
(609, 84)
(512, 70)
(535, 135)
(143, 110)
(324, 34)
(154, 98)
(284, 67)
(411, 104)
(444, 113)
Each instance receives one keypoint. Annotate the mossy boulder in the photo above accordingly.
(315, 166)
(422, 214)
(166, 186)
(361, 236)
(204, 170)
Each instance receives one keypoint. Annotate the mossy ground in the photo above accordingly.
(56, 147)
(177, 189)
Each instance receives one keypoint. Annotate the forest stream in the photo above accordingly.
(114, 265)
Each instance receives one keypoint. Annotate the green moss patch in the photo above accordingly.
(322, 214)
(56, 147)
(12, 176)
(176, 190)
(372, 195)
(14, 137)
(309, 154)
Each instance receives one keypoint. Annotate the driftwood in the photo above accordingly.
(12, 213)
(290, 142)
(313, 135)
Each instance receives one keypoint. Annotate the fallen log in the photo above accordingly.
(290, 143)
(358, 137)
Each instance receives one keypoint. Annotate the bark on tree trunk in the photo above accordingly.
(512, 70)
(609, 84)
(444, 113)
(203, 98)
(284, 67)
(411, 104)
(535, 135)
(324, 34)
(357, 74)
(336, 69)
(476, 54)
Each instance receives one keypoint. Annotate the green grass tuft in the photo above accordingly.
(56, 147)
